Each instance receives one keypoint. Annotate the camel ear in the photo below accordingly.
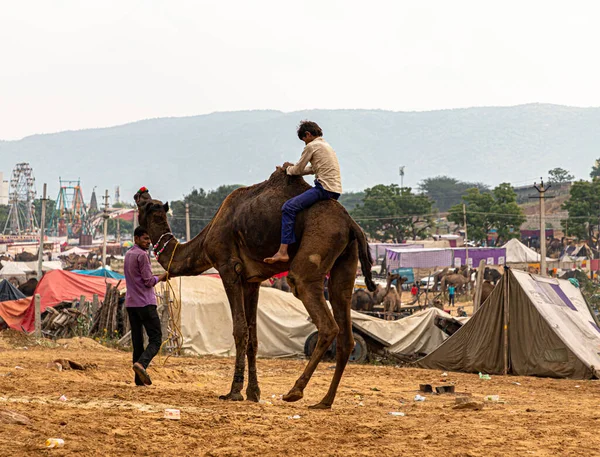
(166, 207)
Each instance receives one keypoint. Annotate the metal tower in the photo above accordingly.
(21, 216)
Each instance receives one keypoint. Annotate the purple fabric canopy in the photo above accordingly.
(492, 256)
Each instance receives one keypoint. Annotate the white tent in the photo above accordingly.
(74, 250)
(15, 270)
(283, 323)
(517, 252)
(47, 265)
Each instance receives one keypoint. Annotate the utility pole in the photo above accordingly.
(542, 197)
(402, 177)
(42, 229)
(187, 222)
(105, 216)
(118, 230)
(466, 236)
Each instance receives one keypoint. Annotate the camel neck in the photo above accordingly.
(182, 259)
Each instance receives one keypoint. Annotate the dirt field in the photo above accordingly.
(105, 414)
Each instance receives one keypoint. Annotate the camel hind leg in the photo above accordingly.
(341, 285)
(311, 293)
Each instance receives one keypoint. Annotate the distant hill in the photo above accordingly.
(172, 155)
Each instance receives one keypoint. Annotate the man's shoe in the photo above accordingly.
(142, 374)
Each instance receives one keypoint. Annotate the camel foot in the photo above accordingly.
(277, 258)
(232, 396)
(293, 395)
(320, 406)
(253, 394)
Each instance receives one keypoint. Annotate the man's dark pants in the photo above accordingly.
(296, 204)
(144, 318)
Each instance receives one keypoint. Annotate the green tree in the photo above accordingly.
(583, 207)
(351, 200)
(559, 175)
(390, 213)
(4, 209)
(446, 191)
(203, 207)
(37, 208)
(486, 211)
(595, 173)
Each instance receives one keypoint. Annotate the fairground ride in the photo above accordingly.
(21, 215)
(70, 215)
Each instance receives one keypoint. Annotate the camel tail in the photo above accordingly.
(364, 255)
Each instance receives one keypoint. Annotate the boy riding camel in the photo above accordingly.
(328, 183)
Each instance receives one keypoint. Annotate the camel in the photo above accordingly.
(28, 288)
(437, 278)
(492, 275)
(457, 280)
(364, 300)
(245, 230)
(392, 300)
(486, 290)
(26, 257)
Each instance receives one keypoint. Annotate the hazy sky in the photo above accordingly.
(78, 64)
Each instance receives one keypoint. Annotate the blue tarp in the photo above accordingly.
(100, 272)
(405, 272)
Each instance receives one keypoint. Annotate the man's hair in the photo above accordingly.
(310, 127)
(140, 231)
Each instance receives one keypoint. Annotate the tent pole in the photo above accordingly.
(506, 318)
(477, 297)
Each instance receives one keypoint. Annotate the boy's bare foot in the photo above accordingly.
(277, 258)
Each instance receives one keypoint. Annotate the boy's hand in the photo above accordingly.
(287, 164)
(162, 277)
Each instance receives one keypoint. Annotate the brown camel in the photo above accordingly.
(457, 280)
(245, 230)
(364, 300)
(437, 278)
(486, 290)
(392, 300)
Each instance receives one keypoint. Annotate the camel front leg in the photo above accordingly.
(235, 294)
(251, 291)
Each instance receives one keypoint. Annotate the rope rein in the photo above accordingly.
(174, 306)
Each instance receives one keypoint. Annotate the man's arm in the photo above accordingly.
(301, 167)
(146, 271)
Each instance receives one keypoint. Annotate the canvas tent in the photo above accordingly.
(551, 332)
(283, 323)
(517, 252)
(15, 270)
(75, 250)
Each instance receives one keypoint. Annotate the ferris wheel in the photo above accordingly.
(21, 216)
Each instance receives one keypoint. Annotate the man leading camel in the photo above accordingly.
(328, 183)
(140, 302)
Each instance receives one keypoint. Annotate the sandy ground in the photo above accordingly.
(105, 414)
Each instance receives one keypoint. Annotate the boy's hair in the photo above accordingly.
(140, 231)
(309, 126)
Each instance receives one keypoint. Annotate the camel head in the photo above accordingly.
(152, 214)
